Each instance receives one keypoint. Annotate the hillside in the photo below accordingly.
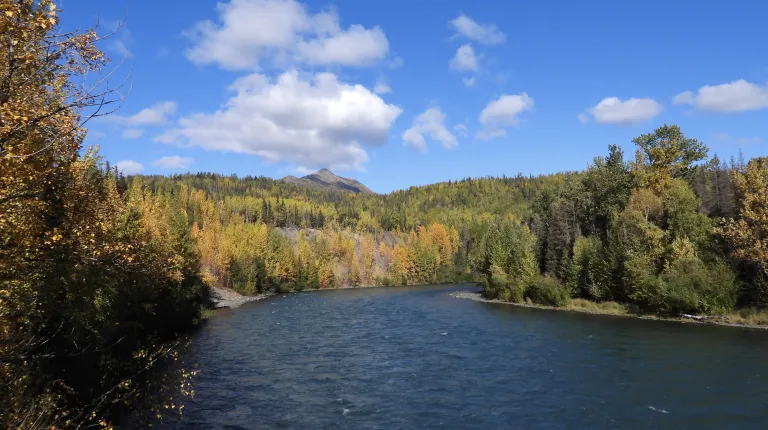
(327, 180)
(622, 230)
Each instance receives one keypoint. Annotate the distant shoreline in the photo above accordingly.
(229, 299)
(476, 296)
(225, 298)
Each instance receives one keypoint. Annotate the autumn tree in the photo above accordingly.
(667, 153)
(367, 261)
(81, 269)
(400, 265)
(747, 235)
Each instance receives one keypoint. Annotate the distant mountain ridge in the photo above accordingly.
(327, 180)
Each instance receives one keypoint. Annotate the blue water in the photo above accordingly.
(417, 358)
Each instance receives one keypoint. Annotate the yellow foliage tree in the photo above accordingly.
(748, 233)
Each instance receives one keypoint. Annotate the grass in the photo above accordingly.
(748, 316)
(610, 308)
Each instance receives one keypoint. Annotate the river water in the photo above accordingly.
(417, 358)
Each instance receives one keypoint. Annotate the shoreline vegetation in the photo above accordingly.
(102, 275)
(754, 319)
(744, 318)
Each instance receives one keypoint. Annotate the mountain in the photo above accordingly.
(327, 180)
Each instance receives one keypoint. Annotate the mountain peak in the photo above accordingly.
(328, 180)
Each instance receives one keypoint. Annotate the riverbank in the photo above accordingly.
(224, 298)
(737, 319)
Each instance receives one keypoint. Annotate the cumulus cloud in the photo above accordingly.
(132, 133)
(612, 110)
(174, 162)
(157, 114)
(354, 47)
(250, 31)
(382, 88)
(736, 96)
(429, 123)
(503, 113)
(486, 34)
(129, 167)
(464, 59)
(307, 121)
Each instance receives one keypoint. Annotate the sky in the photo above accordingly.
(398, 93)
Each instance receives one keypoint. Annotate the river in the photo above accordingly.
(417, 358)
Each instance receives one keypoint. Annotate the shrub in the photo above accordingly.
(546, 290)
(688, 285)
(693, 286)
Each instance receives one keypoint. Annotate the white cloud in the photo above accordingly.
(461, 130)
(430, 123)
(354, 47)
(250, 31)
(129, 167)
(382, 88)
(612, 110)
(486, 34)
(748, 140)
(583, 118)
(470, 82)
(158, 114)
(464, 59)
(312, 122)
(684, 98)
(502, 113)
(174, 162)
(132, 133)
(736, 96)
(740, 141)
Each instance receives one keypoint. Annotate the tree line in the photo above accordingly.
(669, 231)
(101, 274)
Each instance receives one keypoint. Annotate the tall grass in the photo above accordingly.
(611, 308)
(749, 316)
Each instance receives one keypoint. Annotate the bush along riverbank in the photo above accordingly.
(747, 317)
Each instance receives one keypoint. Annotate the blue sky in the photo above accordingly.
(402, 93)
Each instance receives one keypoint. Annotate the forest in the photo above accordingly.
(101, 275)
(670, 231)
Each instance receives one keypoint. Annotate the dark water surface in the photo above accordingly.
(417, 358)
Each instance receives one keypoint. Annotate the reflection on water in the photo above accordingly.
(417, 358)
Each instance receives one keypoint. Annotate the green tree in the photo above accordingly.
(667, 153)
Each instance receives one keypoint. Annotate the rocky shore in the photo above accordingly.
(231, 299)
